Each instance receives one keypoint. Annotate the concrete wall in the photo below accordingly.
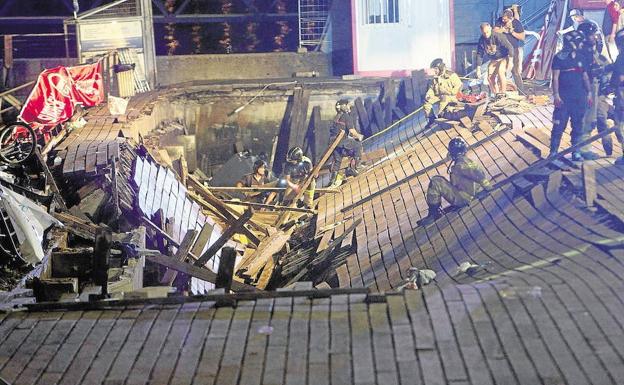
(184, 68)
(208, 115)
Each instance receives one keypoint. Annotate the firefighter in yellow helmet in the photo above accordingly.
(443, 89)
(467, 179)
(298, 167)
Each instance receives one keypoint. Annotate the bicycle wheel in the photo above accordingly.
(17, 143)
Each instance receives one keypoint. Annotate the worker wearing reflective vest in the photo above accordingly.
(443, 89)
(467, 179)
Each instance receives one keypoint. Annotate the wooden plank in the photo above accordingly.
(180, 255)
(589, 183)
(90, 158)
(226, 269)
(536, 145)
(379, 116)
(203, 239)
(102, 155)
(81, 155)
(115, 190)
(408, 94)
(232, 228)
(223, 209)
(363, 116)
(272, 207)
(198, 272)
(265, 251)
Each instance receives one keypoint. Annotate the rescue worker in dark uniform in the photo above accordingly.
(443, 89)
(617, 83)
(258, 178)
(467, 179)
(596, 66)
(298, 167)
(351, 143)
(571, 92)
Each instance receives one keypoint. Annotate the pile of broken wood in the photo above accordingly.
(109, 247)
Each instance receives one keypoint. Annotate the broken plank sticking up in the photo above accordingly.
(363, 117)
(320, 259)
(589, 183)
(222, 208)
(251, 265)
(226, 269)
(50, 180)
(180, 255)
(194, 271)
(379, 116)
(233, 228)
(101, 255)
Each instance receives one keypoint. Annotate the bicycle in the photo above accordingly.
(18, 142)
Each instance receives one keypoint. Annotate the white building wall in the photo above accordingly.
(424, 32)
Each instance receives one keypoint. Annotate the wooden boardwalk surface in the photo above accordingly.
(544, 304)
(390, 199)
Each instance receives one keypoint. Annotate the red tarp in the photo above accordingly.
(58, 90)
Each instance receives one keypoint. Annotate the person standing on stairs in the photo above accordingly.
(571, 92)
(443, 89)
(350, 145)
(467, 179)
(617, 83)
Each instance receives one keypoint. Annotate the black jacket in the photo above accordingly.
(495, 47)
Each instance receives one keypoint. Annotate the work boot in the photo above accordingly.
(431, 120)
(433, 214)
(351, 171)
(589, 155)
(336, 182)
(607, 145)
(332, 177)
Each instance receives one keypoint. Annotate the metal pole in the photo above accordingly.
(66, 40)
(149, 48)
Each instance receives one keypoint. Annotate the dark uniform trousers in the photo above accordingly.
(572, 110)
(348, 147)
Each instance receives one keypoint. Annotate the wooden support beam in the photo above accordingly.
(202, 239)
(233, 228)
(180, 255)
(101, 254)
(77, 226)
(156, 228)
(226, 269)
(224, 210)
(272, 207)
(589, 184)
(115, 190)
(50, 181)
(269, 189)
(198, 272)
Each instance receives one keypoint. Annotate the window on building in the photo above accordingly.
(381, 11)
